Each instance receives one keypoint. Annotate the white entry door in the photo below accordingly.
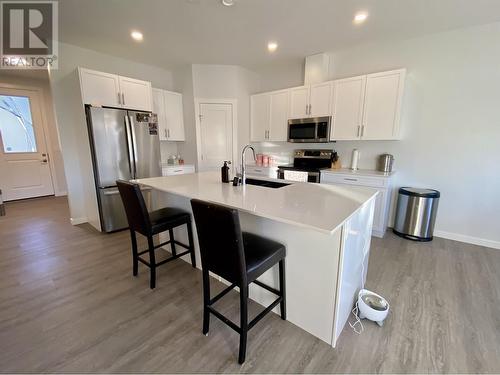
(216, 135)
(24, 166)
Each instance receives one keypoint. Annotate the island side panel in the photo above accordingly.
(311, 267)
(311, 273)
(353, 263)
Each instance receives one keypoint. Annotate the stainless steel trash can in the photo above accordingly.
(416, 213)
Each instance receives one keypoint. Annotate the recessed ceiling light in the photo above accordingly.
(228, 3)
(272, 46)
(360, 17)
(137, 35)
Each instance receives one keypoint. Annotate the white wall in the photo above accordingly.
(41, 82)
(71, 118)
(215, 82)
(450, 122)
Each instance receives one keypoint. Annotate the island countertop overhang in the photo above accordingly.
(319, 207)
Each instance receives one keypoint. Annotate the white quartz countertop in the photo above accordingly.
(358, 172)
(315, 206)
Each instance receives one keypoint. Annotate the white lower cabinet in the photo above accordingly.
(381, 183)
(174, 170)
(269, 172)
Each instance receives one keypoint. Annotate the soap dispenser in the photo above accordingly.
(225, 171)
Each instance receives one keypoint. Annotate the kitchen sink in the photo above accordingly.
(265, 183)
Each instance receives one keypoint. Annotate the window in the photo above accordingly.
(16, 125)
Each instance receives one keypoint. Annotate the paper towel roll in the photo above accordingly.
(355, 159)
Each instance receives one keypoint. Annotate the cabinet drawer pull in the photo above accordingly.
(178, 170)
(350, 179)
(257, 170)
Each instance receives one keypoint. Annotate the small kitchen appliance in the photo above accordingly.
(310, 161)
(309, 130)
(385, 162)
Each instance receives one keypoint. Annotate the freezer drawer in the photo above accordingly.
(111, 209)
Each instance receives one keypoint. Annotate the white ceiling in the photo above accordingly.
(206, 32)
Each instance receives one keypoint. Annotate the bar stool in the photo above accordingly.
(239, 258)
(150, 224)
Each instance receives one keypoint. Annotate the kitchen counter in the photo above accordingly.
(358, 172)
(315, 206)
(326, 230)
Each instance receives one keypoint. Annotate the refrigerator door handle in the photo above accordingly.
(134, 144)
(131, 162)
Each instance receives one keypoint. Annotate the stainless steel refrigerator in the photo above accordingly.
(124, 145)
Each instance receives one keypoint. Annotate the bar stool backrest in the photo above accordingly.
(135, 207)
(220, 239)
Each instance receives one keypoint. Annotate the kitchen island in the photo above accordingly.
(326, 230)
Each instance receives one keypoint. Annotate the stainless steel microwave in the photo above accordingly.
(309, 130)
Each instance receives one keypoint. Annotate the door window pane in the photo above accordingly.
(16, 125)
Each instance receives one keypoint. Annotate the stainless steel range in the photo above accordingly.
(310, 161)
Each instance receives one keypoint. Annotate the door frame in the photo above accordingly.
(234, 104)
(39, 92)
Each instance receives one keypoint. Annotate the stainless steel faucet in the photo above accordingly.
(243, 174)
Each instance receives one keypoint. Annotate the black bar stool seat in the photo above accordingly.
(260, 254)
(238, 257)
(151, 223)
(166, 218)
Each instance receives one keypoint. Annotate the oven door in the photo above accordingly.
(311, 176)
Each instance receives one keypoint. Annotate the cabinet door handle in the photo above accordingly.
(358, 134)
(310, 108)
(168, 133)
(350, 179)
(362, 130)
(119, 99)
(165, 132)
(123, 98)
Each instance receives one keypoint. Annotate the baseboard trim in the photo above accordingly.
(468, 239)
(78, 220)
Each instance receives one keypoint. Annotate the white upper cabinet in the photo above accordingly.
(100, 88)
(111, 90)
(320, 99)
(363, 107)
(175, 116)
(278, 127)
(384, 92)
(347, 108)
(299, 102)
(168, 106)
(260, 114)
(135, 94)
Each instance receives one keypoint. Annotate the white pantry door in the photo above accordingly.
(24, 166)
(216, 135)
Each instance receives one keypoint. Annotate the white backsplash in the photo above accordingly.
(369, 151)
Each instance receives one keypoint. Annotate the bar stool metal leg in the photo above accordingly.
(135, 260)
(243, 323)
(206, 302)
(191, 244)
(152, 262)
(282, 289)
(172, 242)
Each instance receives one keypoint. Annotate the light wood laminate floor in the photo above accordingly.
(69, 303)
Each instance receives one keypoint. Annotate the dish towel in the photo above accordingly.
(296, 176)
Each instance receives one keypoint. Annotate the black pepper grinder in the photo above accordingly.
(225, 171)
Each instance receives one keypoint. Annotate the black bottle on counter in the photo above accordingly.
(225, 171)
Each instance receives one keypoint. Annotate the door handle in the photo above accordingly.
(165, 132)
(119, 99)
(362, 130)
(123, 98)
(168, 133)
(44, 161)
(131, 161)
(358, 134)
